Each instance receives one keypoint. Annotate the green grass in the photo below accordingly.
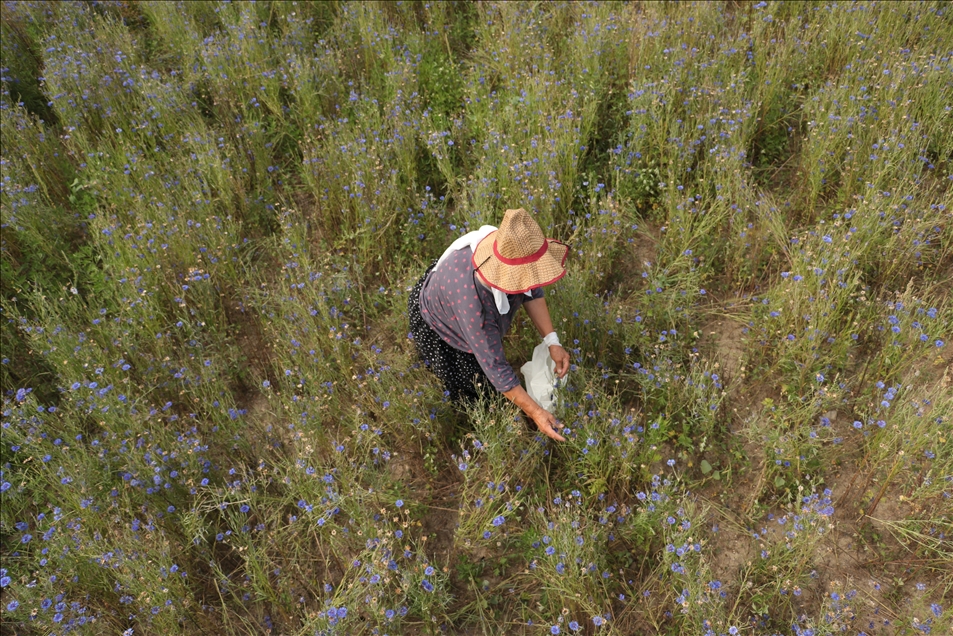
(214, 422)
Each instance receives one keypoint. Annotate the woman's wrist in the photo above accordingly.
(531, 407)
(551, 339)
(518, 396)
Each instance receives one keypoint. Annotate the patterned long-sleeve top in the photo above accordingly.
(462, 311)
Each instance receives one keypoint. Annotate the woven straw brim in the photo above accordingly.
(516, 279)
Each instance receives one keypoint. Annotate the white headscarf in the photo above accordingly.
(471, 240)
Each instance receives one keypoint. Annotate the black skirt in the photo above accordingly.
(463, 378)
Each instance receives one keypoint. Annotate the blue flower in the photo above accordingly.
(427, 585)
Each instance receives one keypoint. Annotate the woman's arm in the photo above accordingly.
(484, 338)
(539, 314)
(545, 421)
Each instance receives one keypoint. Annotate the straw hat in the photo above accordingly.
(517, 257)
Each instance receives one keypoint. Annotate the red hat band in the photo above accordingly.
(523, 260)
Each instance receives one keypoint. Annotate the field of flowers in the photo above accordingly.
(213, 421)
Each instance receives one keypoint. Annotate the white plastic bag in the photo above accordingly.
(540, 377)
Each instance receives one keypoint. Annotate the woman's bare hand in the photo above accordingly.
(547, 424)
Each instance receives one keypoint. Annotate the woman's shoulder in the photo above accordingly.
(464, 254)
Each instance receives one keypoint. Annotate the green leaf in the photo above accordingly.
(706, 467)
(597, 486)
(778, 481)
